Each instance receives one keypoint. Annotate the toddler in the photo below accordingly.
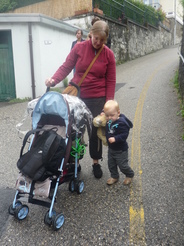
(117, 131)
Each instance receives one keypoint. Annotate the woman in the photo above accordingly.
(98, 85)
(78, 34)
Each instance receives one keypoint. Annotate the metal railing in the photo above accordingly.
(113, 10)
(127, 10)
(134, 13)
(179, 53)
(151, 18)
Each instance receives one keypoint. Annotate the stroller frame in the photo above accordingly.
(47, 104)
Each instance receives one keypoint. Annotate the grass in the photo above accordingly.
(19, 100)
(175, 81)
(177, 87)
(60, 89)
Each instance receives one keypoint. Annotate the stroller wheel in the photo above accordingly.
(72, 185)
(80, 187)
(21, 212)
(11, 210)
(47, 219)
(58, 221)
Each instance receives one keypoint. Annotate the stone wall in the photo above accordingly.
(131, 40)
(135, 41)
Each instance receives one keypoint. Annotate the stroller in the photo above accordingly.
(66, 118)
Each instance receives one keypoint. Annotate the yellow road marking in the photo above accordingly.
(136, 210)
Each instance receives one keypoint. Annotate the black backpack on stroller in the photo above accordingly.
(45, 155)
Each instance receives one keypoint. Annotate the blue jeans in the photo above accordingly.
(119, 158)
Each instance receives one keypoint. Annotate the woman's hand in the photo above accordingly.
(49, 82)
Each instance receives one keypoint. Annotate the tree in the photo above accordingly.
(6, 5)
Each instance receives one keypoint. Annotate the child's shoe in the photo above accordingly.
(111, 181)
(127, 181)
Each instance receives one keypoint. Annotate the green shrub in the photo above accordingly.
(7, 5)
(176, 85)
(65, 82)
(161, 15)
(182, 3)
(175, 81)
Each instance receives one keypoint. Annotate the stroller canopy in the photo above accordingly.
(51, 103)
(54, 103)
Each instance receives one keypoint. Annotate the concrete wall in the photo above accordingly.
(179, 29)
(169, 5)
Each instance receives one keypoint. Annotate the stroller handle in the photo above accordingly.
(48, 89)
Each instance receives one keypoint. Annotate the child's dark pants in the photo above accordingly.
(119, 158)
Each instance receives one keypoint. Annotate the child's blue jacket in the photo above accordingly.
(119, 129)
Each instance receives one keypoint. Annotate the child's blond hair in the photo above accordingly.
(111, 104)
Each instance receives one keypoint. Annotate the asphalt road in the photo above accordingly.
(149, 212)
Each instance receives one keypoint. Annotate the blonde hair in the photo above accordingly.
(100, 27)
(111, 104)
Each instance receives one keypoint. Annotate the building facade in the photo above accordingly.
(153, 3)
(32, 47)
(169, 7)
